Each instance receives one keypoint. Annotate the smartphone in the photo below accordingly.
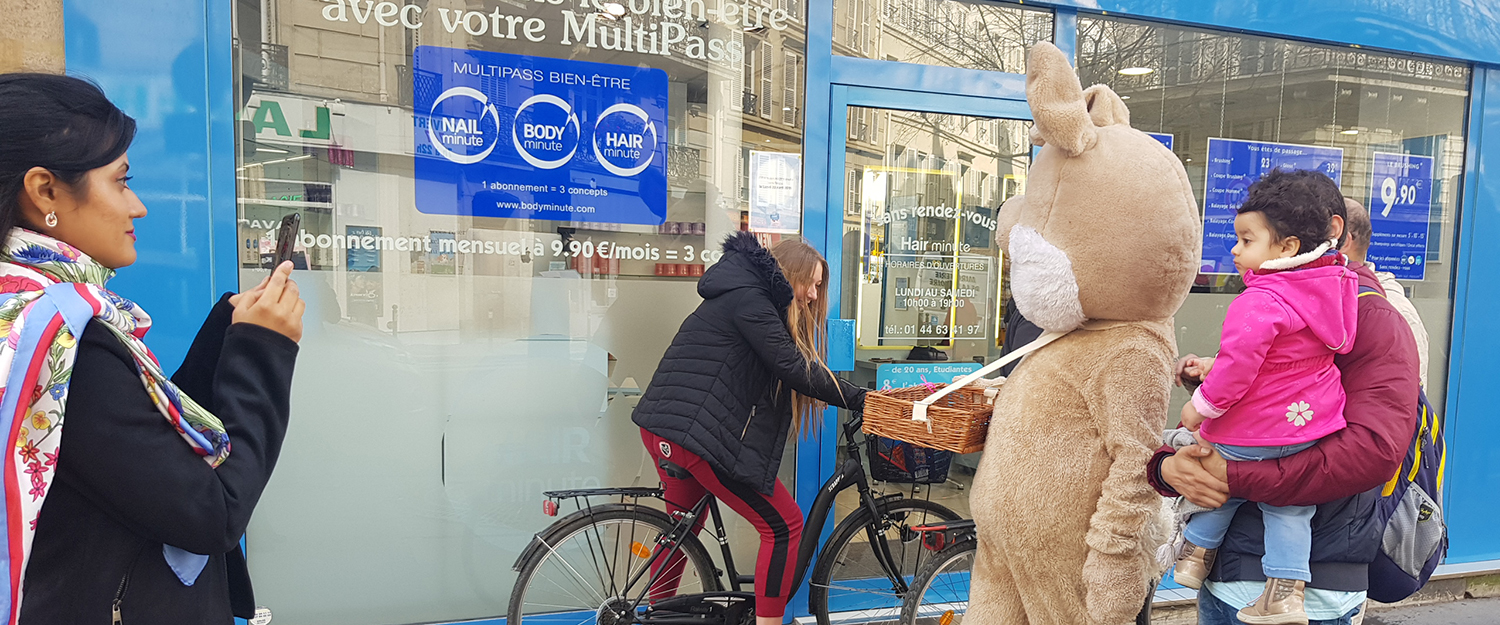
(286, 237)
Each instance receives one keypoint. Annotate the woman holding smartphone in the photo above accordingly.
(133, 512)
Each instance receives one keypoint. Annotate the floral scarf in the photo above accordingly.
(48, 293)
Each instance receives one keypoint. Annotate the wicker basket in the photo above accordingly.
(958, 421)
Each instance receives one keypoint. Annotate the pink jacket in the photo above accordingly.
(1273, 382)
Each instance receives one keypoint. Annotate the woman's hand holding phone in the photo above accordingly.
(274, 304)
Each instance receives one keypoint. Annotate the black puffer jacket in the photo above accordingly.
(715, 392)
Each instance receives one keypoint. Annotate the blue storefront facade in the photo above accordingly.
(472, 345)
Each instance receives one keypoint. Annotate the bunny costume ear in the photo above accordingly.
(1058, 108)
(1105, 107)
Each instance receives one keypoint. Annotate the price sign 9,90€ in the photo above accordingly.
(1400, 211)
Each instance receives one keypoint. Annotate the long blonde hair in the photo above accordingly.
(806, 322)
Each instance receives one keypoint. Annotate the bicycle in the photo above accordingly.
(940, 591)
(628, 563)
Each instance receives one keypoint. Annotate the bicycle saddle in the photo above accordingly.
(673, 470)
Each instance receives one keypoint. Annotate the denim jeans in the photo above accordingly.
(1288, 529)
(1212, 611)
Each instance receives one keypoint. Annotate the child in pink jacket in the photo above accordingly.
(1274, 390)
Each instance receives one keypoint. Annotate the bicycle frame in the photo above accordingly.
(850, 473)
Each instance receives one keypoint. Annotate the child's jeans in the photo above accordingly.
(1288, 529)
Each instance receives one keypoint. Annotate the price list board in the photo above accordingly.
(1234, 165)
(1400, 212)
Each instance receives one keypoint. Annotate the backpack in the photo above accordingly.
(1414, 539)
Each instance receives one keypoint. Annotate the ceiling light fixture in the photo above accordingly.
(1136, 71)
(614, 8)
(1351, 131)
(1124, 97)
(283, 160)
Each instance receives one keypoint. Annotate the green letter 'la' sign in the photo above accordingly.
(268, 115)
(325, 126)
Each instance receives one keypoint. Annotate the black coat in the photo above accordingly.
(1345, 538)
(1018, 332)
(723, 389)
(127, 483)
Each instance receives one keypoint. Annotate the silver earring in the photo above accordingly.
(51, 220)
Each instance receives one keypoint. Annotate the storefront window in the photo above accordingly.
(505, 211)
(974, 35)
(1390, 129)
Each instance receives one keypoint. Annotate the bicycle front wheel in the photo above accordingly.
(849, 585)
(940, 593)
(582, 571)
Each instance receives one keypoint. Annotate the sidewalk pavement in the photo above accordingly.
(1463, 612)
(1458, 612)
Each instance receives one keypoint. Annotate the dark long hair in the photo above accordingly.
(60, 123)
(806, 322)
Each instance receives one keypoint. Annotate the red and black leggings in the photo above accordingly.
(776, 517)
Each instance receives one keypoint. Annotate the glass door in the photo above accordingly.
(914, 181)
(921, 275)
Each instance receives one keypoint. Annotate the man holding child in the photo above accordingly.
(1338, 474)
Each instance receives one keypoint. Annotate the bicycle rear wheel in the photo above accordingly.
(940, 593)
(848, 585)
(582, 569)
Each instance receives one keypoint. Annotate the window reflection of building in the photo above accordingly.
(988, 36)
(1196, 84)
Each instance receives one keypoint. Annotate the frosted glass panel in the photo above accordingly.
(456, 367)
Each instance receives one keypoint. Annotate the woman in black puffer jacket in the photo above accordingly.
(743, 374)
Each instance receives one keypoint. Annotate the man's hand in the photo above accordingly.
(1191, 369)
(1216, 465)
(1198, 473)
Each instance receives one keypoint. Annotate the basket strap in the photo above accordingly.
(919, 409)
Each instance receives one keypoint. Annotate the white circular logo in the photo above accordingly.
(625, 144)
(544, 136)
(446, 129)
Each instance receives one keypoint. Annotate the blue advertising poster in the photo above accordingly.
(1400, 211)
(903, 375)
(501, 135)
(366, 258)
(1233, 165)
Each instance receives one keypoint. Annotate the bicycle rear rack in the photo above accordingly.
(581, 496)
(624, 491)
